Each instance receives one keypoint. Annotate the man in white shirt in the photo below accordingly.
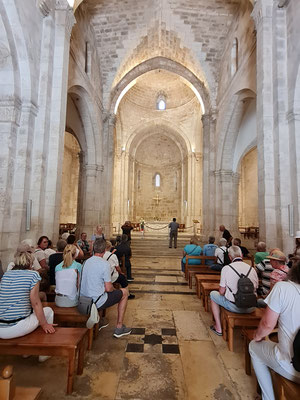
(283, 306)
(228, 287)
(219, 254)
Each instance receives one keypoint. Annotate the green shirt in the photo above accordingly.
(260, 256)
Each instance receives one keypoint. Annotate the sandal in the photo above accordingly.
(212, 328)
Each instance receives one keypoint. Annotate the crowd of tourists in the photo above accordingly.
(273, 284)
(83, 267)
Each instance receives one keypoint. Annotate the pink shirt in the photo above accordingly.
(278, 275)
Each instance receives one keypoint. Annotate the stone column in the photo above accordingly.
(109, 122)
(263, 16)
(64, 20)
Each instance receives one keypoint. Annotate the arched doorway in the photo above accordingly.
(70, 180)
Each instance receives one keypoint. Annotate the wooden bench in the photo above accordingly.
(249, 260)
(230, 320)
(9, 390)
(200, 266)
(206, 288)
(205, 278)
(65, 342)
(69, 316)
(283, 388)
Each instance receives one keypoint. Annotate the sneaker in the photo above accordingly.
(119, 332)
(130, 279)
(131, 296)
(43, 358)
(103, 323)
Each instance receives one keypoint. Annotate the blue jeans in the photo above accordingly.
(263, 358)
(223, 302)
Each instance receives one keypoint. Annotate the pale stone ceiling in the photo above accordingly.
(190, 32)
(144, 93)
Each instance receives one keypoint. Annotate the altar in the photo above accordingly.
(157, 227)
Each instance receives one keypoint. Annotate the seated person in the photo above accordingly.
(96, 283)
(56, 259)
(226, 235)
(283, 306)
(264, 269)
(221, 253)
(39, 252)
(245, 251)
(84, 245)
(117, 275)
(261, 253)
(67, 277)
(280, 269)
(26, 246)
(192, 249)
(228, 287)
(49, 251)
(123, 249)
(209, 250)
(21, 310)
(79, 253)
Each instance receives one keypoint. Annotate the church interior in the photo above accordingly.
(142, 111)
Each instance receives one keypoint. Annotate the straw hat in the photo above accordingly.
(277, 255)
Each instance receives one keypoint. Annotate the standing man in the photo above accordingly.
(226, 235)
(173, 232)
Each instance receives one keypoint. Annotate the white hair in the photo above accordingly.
(28, 241)
(222, 242)
(234, 251)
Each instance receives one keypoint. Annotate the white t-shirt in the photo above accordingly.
(113, 262)
(230, 279)
(35, 266)
(219, 253)
(284, 299)
(39, 254)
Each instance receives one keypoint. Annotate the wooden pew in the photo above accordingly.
(230, 320)
(65, 342)
(283, 388)
(205, 278)
(66, 316)
(190, 270)
(9, 390)
(206, 288)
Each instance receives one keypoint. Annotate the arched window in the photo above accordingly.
(157, 180)
(161, 103)
(234, 56)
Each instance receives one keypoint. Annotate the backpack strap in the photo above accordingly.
(229, 265)
(249, 271)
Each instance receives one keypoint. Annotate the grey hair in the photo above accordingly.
(234, 251)
(222, 242)
(99, 246)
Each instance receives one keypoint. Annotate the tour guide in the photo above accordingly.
(173, 232)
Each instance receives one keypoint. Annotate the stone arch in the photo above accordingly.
(230, 129)
(89, 137)
(159, 63)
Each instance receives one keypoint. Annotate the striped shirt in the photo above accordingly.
(265, 269)
(15, 290)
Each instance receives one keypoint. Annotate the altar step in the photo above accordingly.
(153, 247)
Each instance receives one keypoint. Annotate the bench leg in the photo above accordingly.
(90, 338)
(191, 281)
(224, 326)
(230, 335)
(96, 330)
(72, 358)
(247, 357)
(81, 348)
(197, 289)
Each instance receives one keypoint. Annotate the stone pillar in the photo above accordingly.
(209, 202)
(109, 122)
(64, 20)
(263, 16)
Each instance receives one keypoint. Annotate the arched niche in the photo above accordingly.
(248, 190)
(70, 180)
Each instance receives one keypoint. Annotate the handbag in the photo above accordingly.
(85, 303)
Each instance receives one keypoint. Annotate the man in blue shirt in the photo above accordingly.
(209, 250)
(96, 283)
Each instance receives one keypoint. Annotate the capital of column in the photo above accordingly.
(224, 175)
(10, 110)
(92, 169)
(45, 6)
(69, 20)
(293, 116)
(262, 9)
(109, 118)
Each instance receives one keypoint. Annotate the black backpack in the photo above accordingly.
(245, 296)
(227, 260)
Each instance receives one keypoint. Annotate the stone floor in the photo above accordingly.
(170, 355)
